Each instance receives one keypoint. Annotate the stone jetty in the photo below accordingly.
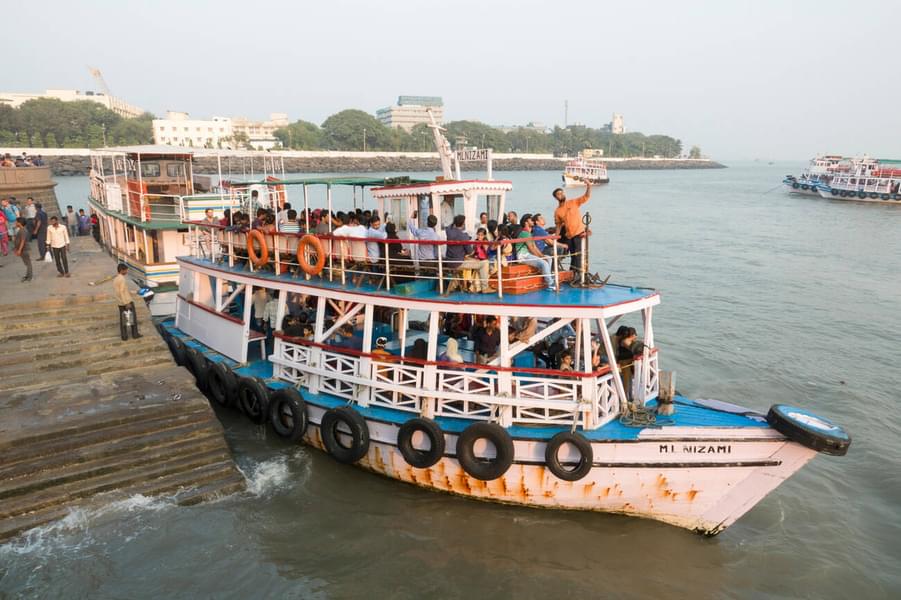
(86, 418)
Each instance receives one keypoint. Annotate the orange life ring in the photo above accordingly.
(315, 245)
(263, 257)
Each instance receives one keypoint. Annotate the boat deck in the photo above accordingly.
(689, 413)
(424, 290)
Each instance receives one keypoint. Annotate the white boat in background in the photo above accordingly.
(821, 170)
(871, 180)
(588, 167)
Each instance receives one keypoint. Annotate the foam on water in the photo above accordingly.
(275, 474)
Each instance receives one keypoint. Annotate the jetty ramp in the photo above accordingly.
(86, 418)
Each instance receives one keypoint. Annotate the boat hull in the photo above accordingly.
(855, 197)
(803, 189)
(569, 181)
(702, 480)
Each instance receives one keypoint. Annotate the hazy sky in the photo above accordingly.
(773, 80)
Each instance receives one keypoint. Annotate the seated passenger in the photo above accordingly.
(566, 362)
(487, 339)
(451, 352)
(528, 253)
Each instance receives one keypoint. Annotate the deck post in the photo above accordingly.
(387, 268)
(231, 249)
(646, 351)
(248, 305)
(440, 270)
(505, 378)
(588, 384)
(316, 353)
(499, 257)
(427, 406)
(365, 366)
(556, 266)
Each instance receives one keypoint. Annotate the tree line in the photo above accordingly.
(52, 123)
(355, 130)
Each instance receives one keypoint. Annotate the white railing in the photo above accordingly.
(589, 400)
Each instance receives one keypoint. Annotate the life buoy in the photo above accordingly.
(222, 384)
(479, 468)
(552, 460)
(796, 185)
(253, 398)
(359, 434)
(314, 244)
(421, 459)
(808, 429)
(177, 348)
(288, 414)
(262, 258)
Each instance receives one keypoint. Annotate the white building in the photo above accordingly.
(411, 111)
(117, 105)
(260, 134)
(617, 126)
(178, 129)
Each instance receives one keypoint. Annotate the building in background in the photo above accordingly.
(410, 111)
(617, 126)
(178, 129)
(117, 105)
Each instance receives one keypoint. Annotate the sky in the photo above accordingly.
(743, 80)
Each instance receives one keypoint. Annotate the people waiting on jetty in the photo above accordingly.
(568, 221)
(84, 223)
(39, 232)
(21, 247)
(58, 240)
(12, 213)
(4, 235)
(29, 211)
(72, 221)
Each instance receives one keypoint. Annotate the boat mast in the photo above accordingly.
(443, 146)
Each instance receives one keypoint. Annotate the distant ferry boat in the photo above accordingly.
(587, 168)
(821, 170)
(526, 389)
(871, 180)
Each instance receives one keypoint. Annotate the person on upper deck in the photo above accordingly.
(289, 225)
(458, 257)
(451, 352)
(528, 253)
(568, 221)
(426, 253)
(375, 249)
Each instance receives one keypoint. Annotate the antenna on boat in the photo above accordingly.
(443, 146)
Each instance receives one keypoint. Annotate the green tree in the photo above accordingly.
(300, 135)
(36, 141)
(695, 152)
(51, 141)
(474, 133)
(345, 131)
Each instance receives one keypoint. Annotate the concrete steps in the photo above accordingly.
(87, 418)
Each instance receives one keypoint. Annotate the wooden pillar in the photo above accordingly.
(365, 365)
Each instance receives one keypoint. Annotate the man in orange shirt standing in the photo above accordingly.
(569, 224)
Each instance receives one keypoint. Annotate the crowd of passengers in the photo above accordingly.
(465, 339)
(25, 160)
(470, 267)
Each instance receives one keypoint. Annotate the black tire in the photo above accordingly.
(178, 349)
(355, 424)
(253, 398)
(796, 185)
(874, 195)
(288, 414)
(484, 469)
(164, 333)
(803, 186)
(552, 460)
(835, 192)
(861, 194)
(844, 194)
(809, 430)
(885, 196)
(894, 196)
(421, 459)
(222, 384)
(199, 366)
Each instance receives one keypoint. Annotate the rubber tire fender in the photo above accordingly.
(817, 433)
(421, 459)
(803, 186)
(253, 398)
(874, 195)
(835, 192)
(164, 333)
(178, 349)
(222, 384)
(284, 402)
(359, 432)
(199, 366)
(586, 456)
(796, 185)
(485, 470)
(861, 194)
(884, 196)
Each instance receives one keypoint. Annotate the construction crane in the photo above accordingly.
(111, 101)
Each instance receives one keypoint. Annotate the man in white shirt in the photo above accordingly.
(283, 215)
(58, 239)
(353, 251)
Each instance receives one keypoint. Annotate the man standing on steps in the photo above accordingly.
(58, 239)
(569, 224)
(21, 246)
(125, 302)
(40, 230)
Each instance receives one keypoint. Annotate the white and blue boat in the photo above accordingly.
(819, 172)
(384, 375)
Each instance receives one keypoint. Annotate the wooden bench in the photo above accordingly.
(522, 279)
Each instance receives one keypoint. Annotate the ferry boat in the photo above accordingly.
(820, 170)
(142, 196)
(587, 168)
(871, 180)
(372, 360)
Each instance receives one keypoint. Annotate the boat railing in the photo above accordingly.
(508, 395)
(347, 262)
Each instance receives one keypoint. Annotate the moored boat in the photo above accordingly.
(872, 180)
(589, 167)
(820, 170)
(547, 398)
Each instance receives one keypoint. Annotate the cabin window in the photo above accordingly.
(175, 170)
(150, 169)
